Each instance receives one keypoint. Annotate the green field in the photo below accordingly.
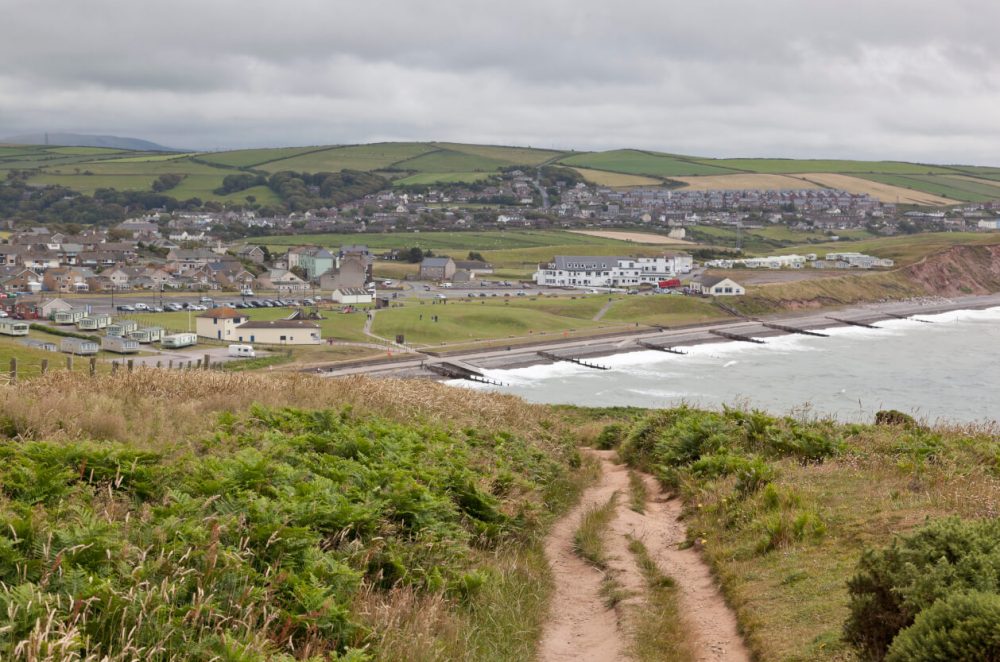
(354, 157)
(513, 155)
(465, 320)
(635, 162)
(467, 241)
(664, 309)
(444, 160)
(904, 249)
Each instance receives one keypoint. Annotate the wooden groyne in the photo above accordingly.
(555, 357)
(736, 336)
(853, 322)
(907, 317)
(452, 371)
(792, 329)
(659, 348)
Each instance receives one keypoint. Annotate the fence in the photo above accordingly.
(20, 368)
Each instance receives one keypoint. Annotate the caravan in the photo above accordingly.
(242, 352)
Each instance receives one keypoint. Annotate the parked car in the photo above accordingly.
(126, 309)
(205, 299)
(174, 307)
(141, 306)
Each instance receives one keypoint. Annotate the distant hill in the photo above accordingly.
(85, 140)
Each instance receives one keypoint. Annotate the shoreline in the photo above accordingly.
(524, 356)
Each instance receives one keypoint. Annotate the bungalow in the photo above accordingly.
(67, 279)
(280, 332)
(219, 323)
(351, 296)
(718, 286)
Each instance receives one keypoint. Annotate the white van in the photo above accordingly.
(242, 351)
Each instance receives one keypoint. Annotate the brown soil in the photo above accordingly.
(582, 627)
(958, 270)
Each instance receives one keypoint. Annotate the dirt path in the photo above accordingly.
(603, 311)
(581, 627)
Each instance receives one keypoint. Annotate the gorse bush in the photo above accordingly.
(893, 585)
(962, 626)
(258, 544)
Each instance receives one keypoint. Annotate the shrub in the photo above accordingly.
(894, 584)
(611, 436)
(962, 626)
(895, 417)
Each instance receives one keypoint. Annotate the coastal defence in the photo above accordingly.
(815, 320)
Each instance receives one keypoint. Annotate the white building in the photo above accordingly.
(719, 286)
(611, 271)
(768, 262)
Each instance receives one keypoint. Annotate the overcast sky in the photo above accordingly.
(892, 79)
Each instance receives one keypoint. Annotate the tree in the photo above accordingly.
(475, 255)
(415, 255)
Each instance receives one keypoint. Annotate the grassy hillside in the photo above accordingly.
(203, 518)
(430, 163)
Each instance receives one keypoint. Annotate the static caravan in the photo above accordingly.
(68, 316)
(178, 340)
(94, 322)
(242, 351)
(122, 328)
(146, 335)
(119, 345)
(79, 346)
(9, 327)
(40, 344)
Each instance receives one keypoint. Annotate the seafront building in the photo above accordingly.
(611, 270)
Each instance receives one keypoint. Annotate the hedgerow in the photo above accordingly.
(254, 543)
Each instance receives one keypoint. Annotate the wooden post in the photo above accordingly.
(159, 364)
(69, 362)
(189, 364)
(45, 366)
(198, 365)
(114, 367)
(130, 365)
(93, 366)
(13, 371)
(170, 364)
(205, 365)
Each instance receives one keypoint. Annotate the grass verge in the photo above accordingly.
(588, 541)
(660, 633)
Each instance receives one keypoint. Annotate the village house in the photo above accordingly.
(352, 271)
(219, 323)
(67, 279)
(183, 260)
(253, 253)
(437, 268)
(18, 279)
(282, 280)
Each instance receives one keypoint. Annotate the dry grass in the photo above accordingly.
(744, 181)
(616, 179)
(879, 191)
(588, 541)
(150, 407)
(634, 237)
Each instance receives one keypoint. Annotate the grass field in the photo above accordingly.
(447, 161)
(352, 157)
(635, 162)
(955, 187)
(632, 237)
(664, 309)
(339, 326)
(462, 320)
(616, 179)
(513, 155)
(467, 241)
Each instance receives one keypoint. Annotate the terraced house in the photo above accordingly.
(611, 270)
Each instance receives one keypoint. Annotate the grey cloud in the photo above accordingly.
(852, 78)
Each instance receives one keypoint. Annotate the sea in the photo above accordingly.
(942, 368)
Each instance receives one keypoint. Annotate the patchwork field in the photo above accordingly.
(86, 169)
(737, 182)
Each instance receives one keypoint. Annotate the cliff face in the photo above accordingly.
(957, 271)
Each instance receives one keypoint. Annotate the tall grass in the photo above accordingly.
(660, 631)
(589, 539)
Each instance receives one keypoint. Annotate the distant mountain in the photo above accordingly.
(84, 140)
